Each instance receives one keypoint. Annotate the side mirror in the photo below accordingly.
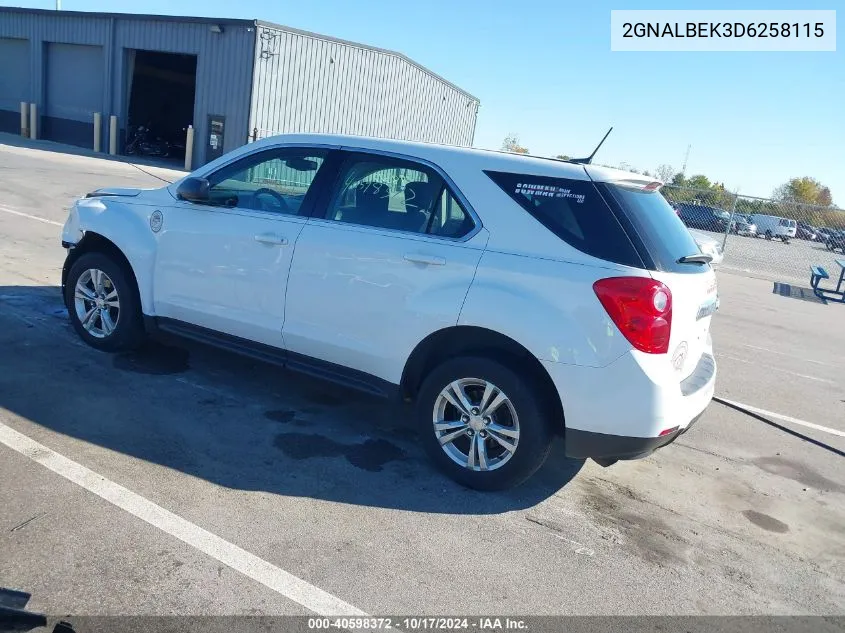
(193, 190)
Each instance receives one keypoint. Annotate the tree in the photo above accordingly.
(664, 173)
(804, 190)
(824, 198)
(562, 157)
(511, 144)
(699, 181)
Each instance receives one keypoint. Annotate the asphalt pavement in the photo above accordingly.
(181, 480)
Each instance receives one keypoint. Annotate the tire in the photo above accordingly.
(769, 235)
(121, 327)
(506, 469)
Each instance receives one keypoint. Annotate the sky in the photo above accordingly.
(543, 70)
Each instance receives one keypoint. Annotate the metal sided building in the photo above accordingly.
(232, 80)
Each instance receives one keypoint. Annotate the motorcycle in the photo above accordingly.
(142, 143)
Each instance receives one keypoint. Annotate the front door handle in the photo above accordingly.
(271, 238)
(431, 260)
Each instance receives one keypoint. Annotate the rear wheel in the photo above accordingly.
(103, 303)
(768, 235)
(482, 423)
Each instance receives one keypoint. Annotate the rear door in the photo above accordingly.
(664, 241)
(388, 262)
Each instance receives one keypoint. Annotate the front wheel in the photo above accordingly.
(103, 304)
(482, 423)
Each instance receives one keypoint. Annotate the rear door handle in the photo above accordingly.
(431, 260)
(271, 238)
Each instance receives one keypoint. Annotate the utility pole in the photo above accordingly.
(686, 158)
(58, 5)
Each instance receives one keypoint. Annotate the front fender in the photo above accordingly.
(127, 226)
(547, 306)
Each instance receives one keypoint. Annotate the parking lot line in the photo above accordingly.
(774, 351)
(31, 217)
(290, 586)
(773, 368)
(784, 418)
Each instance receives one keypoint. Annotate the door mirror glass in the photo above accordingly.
(193, 190)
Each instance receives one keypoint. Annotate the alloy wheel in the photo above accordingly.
(476, 424)
(96, 303)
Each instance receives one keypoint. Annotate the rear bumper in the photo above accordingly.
(620, 411)
(584, 444)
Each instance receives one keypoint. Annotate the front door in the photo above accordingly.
(224, 265)
(388, 263)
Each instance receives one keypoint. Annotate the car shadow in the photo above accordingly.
(235, 422)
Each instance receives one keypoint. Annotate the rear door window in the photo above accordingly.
(399, 195)
(575, 211)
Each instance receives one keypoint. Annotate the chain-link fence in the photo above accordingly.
(778, 240)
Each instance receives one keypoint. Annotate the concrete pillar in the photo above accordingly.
(98, 130)
(24, 119)
(33, 120)
(113, 134)
(189, 148)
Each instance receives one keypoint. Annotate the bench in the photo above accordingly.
(817, 274)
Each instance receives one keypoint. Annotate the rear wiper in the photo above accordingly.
(698, 258)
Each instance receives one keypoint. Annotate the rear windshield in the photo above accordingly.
(575, 211)
(661, 231)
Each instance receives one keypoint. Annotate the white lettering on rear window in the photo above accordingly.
(547, 191)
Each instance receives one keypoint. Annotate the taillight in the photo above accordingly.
(641, 308)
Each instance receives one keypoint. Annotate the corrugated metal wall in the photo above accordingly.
(14, 81)
(224, 78)
(308, 83)
(73, 91)
(224, 60)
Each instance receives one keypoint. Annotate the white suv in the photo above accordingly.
(510, 298)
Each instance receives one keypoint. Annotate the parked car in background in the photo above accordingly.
(742, 225)
(699, 216)
(835, 241)
(773, 226)
(709, 246)
(805, 231)
(310, 251)
(823, 234)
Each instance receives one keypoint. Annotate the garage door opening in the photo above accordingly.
(161, 91)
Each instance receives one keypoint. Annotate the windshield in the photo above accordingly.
(661, 230)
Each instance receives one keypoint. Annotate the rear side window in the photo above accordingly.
(395, 194)
(575, 211)
(662, 232)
